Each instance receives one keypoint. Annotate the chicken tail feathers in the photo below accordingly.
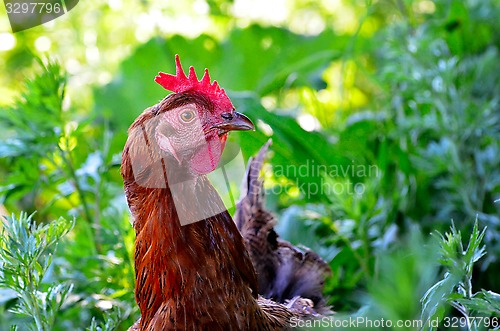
(286, 273)
(252, 197)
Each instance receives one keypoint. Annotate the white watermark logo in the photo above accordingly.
(363, 323)
(329, 180)
(174, 150)
(360, 322)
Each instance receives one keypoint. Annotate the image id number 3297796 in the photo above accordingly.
(464, 322)
(33, 8)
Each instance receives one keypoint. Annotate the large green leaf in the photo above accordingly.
(298, 154)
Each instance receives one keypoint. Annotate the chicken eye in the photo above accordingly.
(187, 116)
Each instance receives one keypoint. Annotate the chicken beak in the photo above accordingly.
(235, 122)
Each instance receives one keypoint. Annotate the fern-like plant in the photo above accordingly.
(26, 251)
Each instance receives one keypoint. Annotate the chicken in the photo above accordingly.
(193, 270)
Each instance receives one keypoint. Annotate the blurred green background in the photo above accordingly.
(385, 123)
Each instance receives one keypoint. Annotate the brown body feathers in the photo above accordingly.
(201, 277)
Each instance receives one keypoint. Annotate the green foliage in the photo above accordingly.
(58, 166)
(37, 118)
(384, 127)
(456, 286)
(434, 135)
(111, 322)
(404, 275)
(26, 252)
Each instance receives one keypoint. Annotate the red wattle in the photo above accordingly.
(208, 156)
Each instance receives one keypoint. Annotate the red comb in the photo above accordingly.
(180, 83)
